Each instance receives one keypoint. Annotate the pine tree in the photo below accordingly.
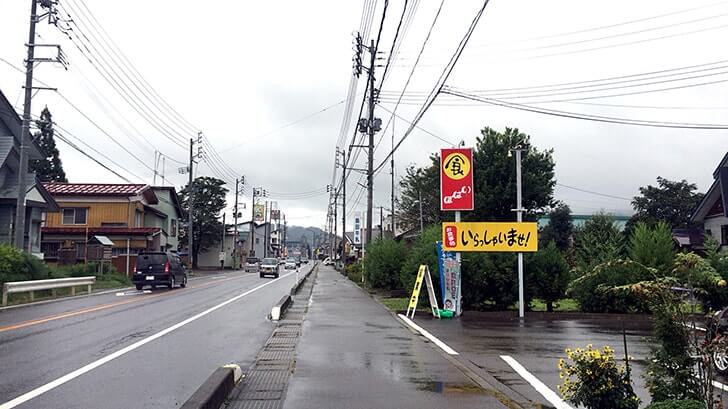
(49, 168)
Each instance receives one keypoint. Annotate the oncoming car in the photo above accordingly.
(290, 264)
(269, 266)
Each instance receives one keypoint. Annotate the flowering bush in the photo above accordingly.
(592, 378)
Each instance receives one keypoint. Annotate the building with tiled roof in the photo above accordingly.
(130, 215)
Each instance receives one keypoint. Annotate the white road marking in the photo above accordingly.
(720, 386)
(426, 334)
(544, 390)
(217, 277)
(93, 365)
(135, 292)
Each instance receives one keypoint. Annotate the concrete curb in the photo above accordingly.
(213, 393)
(280, 308)
(276, 313)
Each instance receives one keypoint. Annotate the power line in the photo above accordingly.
(588, 117)
(440, 82)
(593, 192)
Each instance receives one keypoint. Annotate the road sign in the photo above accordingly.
(259, 212)
(456, 179)
(490, 236)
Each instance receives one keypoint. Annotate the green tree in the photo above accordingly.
(495, 176)
(652, 247)
(208, 201)
(669, 201)
(423, 251)
(597, 242)
(424, 182)
(49, 168)
(549, 274)
(560, 228)
(383, 263)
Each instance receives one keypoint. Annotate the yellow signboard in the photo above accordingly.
(418, 287)
(490, 236)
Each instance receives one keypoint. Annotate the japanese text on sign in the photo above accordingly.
(456, 179)
(490, 236)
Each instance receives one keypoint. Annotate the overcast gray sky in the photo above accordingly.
(242, 71)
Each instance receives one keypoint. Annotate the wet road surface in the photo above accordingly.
(354, 354)
(40, 344)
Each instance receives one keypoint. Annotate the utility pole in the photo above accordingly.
(519, 212)
(392, 163)
(336, 225)
(235, 220)
(222, 243)
(343, 209)
(190, 202)
(381, 222)
(370, 161)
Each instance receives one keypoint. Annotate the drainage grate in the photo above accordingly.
(264, 386)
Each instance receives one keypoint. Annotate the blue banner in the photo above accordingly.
(449, 267)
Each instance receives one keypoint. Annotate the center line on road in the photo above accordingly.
(93, 365)
(427, 335)
(100, 307)
(544, 390)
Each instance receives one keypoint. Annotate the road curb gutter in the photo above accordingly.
(280, 308)
(215, 390)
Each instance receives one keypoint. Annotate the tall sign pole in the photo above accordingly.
(519, 215)
(456, 194)
(190, 202)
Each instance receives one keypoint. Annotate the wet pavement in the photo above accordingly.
(354, 354)
(539, 343)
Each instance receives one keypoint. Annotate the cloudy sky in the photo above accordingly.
(256, 76)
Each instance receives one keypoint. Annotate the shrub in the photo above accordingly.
(16, 265)
(676, 404)
(383, 263)
(652, 247)
(593, 379)
(354, 271)
(599, 241)
(594, 290)
(490, 281)
(423, 251)
(549, 274)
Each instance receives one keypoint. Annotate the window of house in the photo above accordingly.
(724, 235)
(173, 227)
(74, 215)
(257, 240)
(138, 219)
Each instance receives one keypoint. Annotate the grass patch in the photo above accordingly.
(563, 305)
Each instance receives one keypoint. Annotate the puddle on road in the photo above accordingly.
(448, 387)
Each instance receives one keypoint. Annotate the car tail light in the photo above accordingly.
(166, 267)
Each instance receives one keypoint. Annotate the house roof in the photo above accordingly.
(173, 194)
(101, 189)
(159, 213)
(12, 120)
(102, 230)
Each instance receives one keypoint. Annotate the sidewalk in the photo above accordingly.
(354, 354)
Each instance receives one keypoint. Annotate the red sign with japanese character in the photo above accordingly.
(456, 179)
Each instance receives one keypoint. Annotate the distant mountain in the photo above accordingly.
(296, 233)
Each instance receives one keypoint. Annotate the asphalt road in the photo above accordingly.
(146, 350)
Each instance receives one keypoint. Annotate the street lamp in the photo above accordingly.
(419, 201)
(519, 212)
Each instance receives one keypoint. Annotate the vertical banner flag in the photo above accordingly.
(259, 212)
(449, 279)
(357, 227)
(456, 179)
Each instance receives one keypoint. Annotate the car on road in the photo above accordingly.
(269, 266)
(159, 268)
(298, 261)
(290, 264)
(252, 265)
(304, 260)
